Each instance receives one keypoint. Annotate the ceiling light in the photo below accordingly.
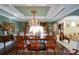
(33, 21)
(73, 24)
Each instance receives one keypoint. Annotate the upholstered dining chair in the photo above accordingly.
(34, 44)
(51, 43)
(19, 42)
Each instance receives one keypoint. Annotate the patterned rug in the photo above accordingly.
(42, 52)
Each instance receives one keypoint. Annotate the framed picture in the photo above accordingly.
(9, 26)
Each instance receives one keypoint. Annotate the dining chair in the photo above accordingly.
(19, 42)
(51, 43)
(34, 44)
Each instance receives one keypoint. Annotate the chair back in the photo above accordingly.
(50, 42)
(19, 40)
(34, 43)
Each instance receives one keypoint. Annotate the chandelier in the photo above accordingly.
(35, 27)
(33, 21)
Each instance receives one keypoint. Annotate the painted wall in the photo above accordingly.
(50, 26)
(68, 28)
(71, 29)
(20, 25)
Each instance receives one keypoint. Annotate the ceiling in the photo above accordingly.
(76, 13)
(26, 11)
(45, 12)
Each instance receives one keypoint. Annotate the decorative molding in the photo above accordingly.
(17, 14)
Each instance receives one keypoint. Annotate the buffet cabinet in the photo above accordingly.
(4, 40)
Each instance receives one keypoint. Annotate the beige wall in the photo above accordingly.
(70, 29)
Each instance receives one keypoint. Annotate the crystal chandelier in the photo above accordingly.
(33, 21)
(35, 27)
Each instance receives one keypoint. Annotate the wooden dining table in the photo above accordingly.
(37, 43)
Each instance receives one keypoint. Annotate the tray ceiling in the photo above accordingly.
(45, 12)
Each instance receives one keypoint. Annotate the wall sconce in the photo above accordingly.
(73, 24)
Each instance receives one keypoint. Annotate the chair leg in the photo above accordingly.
(16, 51)
(47, 52)
(23, 51)
(31, 52)
(37, 52)
(54, 51)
